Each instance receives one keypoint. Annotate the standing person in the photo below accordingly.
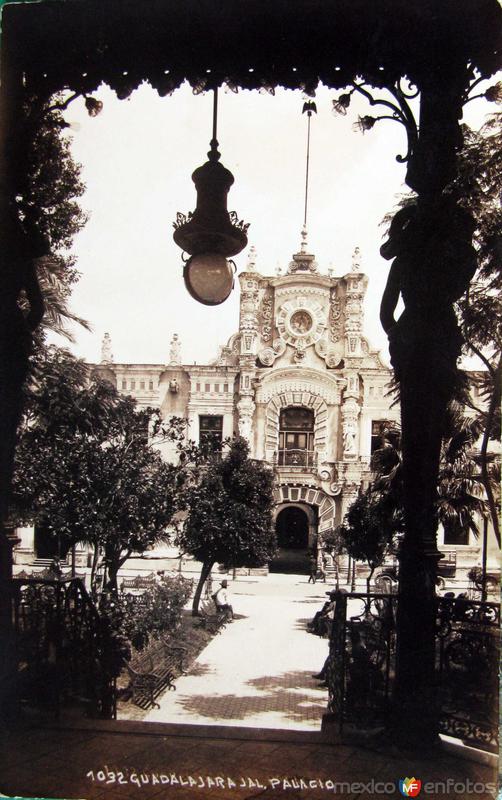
(322, 568)
(313, 569)
(221, 599)
(331, 613)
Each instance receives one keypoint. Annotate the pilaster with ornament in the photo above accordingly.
(350, 491)
(249, 342)
(350, 428)
(355, 287)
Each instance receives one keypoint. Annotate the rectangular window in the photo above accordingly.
(124, 384)
(133, 385)
(142, 385)
(211, 431)
(225, 387)
(197, 387)
(150, 385)
(207, 387)
(454, 534)
(216, 387)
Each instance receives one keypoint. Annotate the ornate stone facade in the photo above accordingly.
(299, 345)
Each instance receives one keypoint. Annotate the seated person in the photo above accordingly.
(221, 600)
(322, 620)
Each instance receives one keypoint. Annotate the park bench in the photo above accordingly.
(211, 618)
(153, 671)
(139, 582)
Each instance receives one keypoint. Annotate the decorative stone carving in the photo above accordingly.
(331, 353)
(335, 317)
(352, 389)
(349, 437)
(251, 265)
(175, 351)
(266, 314)
(174, 386)
(268, 355)
(356, 260)
(245, 408)
(106, 350)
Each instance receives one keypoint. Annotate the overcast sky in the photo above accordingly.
(137, 158)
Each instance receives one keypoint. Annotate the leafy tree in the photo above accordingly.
(48, 189)
(87, 467)
(370, 529)
(228, 518)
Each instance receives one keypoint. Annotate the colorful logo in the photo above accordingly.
(410, 787)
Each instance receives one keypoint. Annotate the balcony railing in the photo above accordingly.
(296, 458)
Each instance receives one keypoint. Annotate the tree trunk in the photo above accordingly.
(205, 572)
(368, 581)
(485, 554)
(94, 566)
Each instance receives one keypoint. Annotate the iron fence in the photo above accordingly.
(65, 651)
(361, 665)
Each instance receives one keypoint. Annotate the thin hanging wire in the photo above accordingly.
(308, 107)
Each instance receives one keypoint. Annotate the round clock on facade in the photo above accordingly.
(301, 321)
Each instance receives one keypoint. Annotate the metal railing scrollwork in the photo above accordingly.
(361, 667)
(66, 652)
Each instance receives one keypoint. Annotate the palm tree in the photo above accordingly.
(461, 498)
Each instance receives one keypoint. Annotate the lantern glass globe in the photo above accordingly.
(209, 278)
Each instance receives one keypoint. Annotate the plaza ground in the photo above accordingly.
(243, 723)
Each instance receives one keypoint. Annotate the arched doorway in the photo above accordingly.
(292, 529)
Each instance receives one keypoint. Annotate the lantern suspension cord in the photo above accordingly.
(308, 107)
(213, 154)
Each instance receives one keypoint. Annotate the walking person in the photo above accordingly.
(313, 569)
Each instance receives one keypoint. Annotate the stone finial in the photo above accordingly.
(303, 261)
(251, 265)
(356, 260)
(278, 269)
(175, 351)
(304, 244)
(106, 350)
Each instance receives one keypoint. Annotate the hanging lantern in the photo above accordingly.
(210, 235)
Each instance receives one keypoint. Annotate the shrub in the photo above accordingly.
(154, 613)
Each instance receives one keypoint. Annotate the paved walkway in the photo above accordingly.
(256, 674)
(258, 671)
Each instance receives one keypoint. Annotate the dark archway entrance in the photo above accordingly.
(292, 528)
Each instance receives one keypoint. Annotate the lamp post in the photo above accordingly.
(210, 235)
